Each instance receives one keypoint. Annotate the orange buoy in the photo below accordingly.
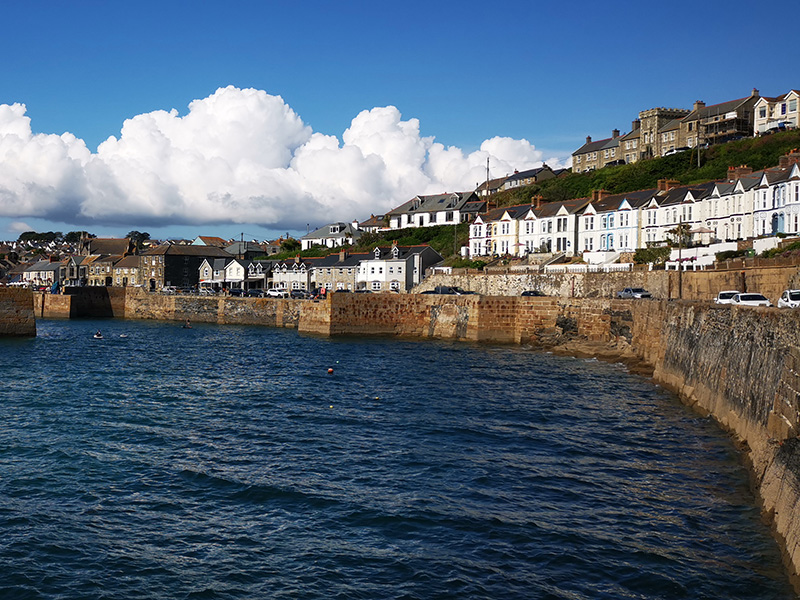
(330, 370)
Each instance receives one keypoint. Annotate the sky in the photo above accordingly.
(262, 118)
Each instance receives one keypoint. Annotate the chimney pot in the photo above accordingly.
(615, 133)
(588, 139)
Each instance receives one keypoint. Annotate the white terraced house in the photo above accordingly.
(747, 204)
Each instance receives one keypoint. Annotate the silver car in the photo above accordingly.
(633, 293)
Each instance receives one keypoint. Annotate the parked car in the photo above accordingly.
(533, 293)
(169, 289)
(749, 299)
(207, 291)
(363, 291)
(277, 293)
(634, 293)
(239, 292)
(299, 294)
(451, 289)
(789, 299)
(255, 293)
(726, 297)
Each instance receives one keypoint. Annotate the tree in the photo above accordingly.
(680, 235)
(138, 237)
(290, 245)
(74, 237)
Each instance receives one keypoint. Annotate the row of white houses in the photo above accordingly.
(747, 204)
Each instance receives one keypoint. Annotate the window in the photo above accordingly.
(783, 108)
(394, 285)
(376, 286)
(793, 105)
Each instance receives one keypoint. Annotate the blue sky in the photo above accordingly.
(468, 72)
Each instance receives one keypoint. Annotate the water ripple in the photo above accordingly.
(227, 463)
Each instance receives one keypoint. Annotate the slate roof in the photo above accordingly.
(108, 246)
(598, 145)
(530, 173)
(345, 229)
(167, 249)
(127, 262)
(435, 203)
(492, 185)
(716, 110)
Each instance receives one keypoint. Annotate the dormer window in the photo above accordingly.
(377, 253)
(395, 252)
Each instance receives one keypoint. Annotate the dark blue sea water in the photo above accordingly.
(226, 462)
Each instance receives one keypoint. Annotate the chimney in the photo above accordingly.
(635, 124)
(588, 139)
(355, 224)
(792, 158)
(536, 201)
(600, 194)
(614, 134)
(297, 259)
(342, 255)
(754, 93)
(699, 104)
(737, 172)
(665, 185)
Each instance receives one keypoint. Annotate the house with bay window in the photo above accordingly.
(780, 112)
(609, 225)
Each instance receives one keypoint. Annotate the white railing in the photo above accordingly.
(613, 268)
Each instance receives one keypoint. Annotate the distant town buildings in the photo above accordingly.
(662, 131)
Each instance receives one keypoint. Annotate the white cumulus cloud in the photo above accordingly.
(237, 156)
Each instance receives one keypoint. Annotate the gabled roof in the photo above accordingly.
(373, 221)
(715, 110)
(127, 262)
(108, 246)
(673, 125)
(403, 252)
(435, 203)
(598, 145)
(208, 240)
(167, 249)
(519, 175)
(326, 231)
(492, 184)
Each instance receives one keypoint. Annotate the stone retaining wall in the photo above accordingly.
(690, 285)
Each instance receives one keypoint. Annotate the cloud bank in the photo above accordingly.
(237, 156)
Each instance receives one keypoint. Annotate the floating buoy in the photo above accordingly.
(330, 370)
(331, 406)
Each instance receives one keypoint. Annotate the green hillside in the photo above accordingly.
(757, 153)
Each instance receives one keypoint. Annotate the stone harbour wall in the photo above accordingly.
(16, 313)
(689, 285)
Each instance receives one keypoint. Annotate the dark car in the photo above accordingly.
(533, 293)
(299, 294)
(236, 292)
(255, 293)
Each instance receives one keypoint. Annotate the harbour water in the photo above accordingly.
(228, 462)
